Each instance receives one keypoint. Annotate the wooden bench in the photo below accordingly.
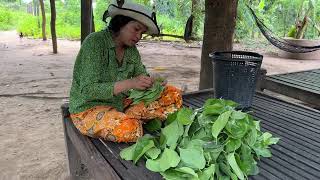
(296, 156)
(304, 85)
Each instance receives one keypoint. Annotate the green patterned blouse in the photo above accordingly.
(96, 70)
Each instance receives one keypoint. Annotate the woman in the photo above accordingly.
(107, 66)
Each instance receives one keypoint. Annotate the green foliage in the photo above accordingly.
(169, 25)
(29, 26)
(278, 15)
(100, 8)
(7, 21)
(216, 142)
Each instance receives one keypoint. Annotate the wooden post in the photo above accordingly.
(43, 14)
(53, 26)
(86, 18)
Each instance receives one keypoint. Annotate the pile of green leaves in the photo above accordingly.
(214, 142)
(149, 95)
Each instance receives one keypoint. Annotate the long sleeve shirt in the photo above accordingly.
(96, 70)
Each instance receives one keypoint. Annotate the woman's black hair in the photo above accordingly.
(117, 22)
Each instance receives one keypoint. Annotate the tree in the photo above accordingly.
(53, 26)
(43, 13)
(219, 25)
(36, 11)
(196, 11)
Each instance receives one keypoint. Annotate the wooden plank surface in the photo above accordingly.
(304, 85)
(296, 156)
(97, 166)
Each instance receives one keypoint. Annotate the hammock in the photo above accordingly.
(281, 43)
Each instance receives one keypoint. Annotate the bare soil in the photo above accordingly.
(34, 83)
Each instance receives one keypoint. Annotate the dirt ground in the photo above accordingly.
(34, 83)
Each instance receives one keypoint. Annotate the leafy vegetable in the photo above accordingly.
(213, 142)
(153, 125)
(149, 95)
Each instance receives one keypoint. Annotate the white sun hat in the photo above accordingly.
(135, 11)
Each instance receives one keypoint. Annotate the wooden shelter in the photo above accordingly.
(87, 24)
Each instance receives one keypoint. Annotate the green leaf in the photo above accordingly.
(273, 141)
(201, 134)
(183, 173)
(225, 168)
(137, 150)
(184, 116)
(238, 115)
(232, 145)
(233, 163)
(186, 130)
(192, 157)
(220, 123)
(194, 128)
(262, 152)
(195, 143)
(213, 147)
(187, 170)
(143, 145)
(205, 120)
(136, 94)
(268, 140)
(231, 103)
(237, 128)
(207, 173)
(172, 133)
(153, 125)
(257, 124)
(266, 136)
(184, 142)
(245, 160)
(147, 96)
(153, 153)
(127, 153)
(254, 170)
(169, 158)
(214, 109)
(251, 137)
(171, 117)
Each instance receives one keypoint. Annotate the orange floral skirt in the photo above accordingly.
(107, 123)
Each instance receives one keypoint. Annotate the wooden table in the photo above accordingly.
(303, 85)
(296, 156)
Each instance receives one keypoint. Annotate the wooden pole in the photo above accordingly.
(43, 14)
(86, 18)
(53, 26)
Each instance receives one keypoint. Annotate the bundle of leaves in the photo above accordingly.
(149, 95)
(213, 142)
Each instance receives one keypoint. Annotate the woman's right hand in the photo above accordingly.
(141, 82)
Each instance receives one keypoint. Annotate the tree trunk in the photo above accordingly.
(196, 12)
(43, 13)
(53, 26)
(34, 7)
(36, 11)
(86, 18)
(220, 21)
(302, 28)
